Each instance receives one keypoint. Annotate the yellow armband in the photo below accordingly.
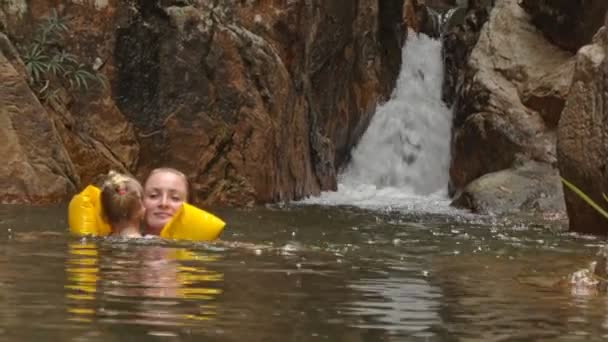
(192, 223)
(189, 223)
(84, 214)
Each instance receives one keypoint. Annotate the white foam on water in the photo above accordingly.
(402, 160)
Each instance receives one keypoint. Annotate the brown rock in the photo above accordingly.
(413, 13)
(547, 94)
(458, 43)
(441, 4)
(255, 101)
(96, 135)
(424, 16)
(567, 23)
(510, 66)
(36, 167)
(582, 145)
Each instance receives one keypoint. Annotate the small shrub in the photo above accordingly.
(49, 66)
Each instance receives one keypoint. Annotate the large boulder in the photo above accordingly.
(508, 97)
(582, 144)
(529, 187)
(569, 24)
(36, 167)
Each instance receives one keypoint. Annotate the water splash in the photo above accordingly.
(403, 157)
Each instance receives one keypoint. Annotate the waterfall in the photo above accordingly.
(407, 143)
(402, 160)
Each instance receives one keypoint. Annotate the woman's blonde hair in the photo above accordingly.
(121, 197)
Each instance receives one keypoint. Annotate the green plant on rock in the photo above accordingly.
(50, 66)
(586, 198)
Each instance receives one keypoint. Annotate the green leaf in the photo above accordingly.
(585, 198)
(55, 66)
(83, 82)
(103, 80)
(67, 57)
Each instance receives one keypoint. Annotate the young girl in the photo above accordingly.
(121, 203)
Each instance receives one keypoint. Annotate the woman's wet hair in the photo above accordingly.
(175, 172)
(121, 197)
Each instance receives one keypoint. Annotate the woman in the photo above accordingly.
(165, 190)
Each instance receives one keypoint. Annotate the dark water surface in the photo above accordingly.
(298, 273)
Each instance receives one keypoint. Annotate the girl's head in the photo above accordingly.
(165, 190)
(121, 199)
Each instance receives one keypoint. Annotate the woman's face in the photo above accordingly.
(164, 193)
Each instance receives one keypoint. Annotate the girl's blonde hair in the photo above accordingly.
(121, 197)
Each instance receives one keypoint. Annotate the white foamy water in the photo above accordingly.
(402, 160)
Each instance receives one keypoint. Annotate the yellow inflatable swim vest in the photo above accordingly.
(84, 214)
(189, 223)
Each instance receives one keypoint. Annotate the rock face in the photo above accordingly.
(254, 101)
(583, 136)
(36, 167)
(94, 133)
(568, 24)
(508, 97)
(432, 17)
(419, 17)
(458, 43)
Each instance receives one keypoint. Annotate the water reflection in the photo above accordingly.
(492, 298)
(400, 303)
(82, 269)
(142, 284)
(304, 274)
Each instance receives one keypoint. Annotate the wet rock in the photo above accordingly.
(458, 43)
(432, 18)
(420, 18)
(254, 101)
(36, 168)
(547, 94)
(441, 4)
(528, 187)
(568, 24)
(95, 134)
(582, 144)
(503, 82)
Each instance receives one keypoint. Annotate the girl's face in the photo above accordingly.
(164, 193)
